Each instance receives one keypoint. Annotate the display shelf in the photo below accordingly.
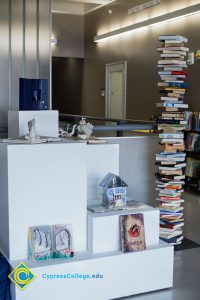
(50, 184)
(107, 226)
(150, 270)
(81, 256)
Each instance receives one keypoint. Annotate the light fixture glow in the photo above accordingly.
(175, 15)
(54, 41)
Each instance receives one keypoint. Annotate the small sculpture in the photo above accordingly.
(84, 129)
(33, 137)
(67, 134)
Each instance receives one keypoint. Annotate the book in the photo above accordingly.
(132, 234)
(176, 38)
(174, 240)
(171, 62)
(169, 99)
(175, 73)
(176, 55)
(169, 235)
(172, 172)
(49, 242)
(62, 238)
(172, 84)
(167, 104)
(185, 49)
(173, 68)
(168, 44)
(161, 121)
(40, 243)
(171, 135)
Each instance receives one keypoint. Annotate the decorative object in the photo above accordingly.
(113, 191)
(33, 94)
(82, 131)
(32, 136)
(85, 129)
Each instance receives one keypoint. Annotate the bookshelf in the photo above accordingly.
(192, 138)
(51, 184)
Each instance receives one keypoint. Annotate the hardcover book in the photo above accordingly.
(132, 232)
(40, 242)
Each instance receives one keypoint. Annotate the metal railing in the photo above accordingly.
(120, 125)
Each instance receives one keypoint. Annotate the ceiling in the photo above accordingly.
(77, 7)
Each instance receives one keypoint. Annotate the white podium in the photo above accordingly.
(46, 122)
(50, 184)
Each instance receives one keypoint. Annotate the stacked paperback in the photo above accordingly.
(171, 125)
(48, 242)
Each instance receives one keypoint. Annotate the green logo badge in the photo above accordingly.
(22, 276)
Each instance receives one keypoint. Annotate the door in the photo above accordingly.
(116, 74)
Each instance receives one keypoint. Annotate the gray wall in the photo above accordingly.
(140, 51)
(25, 27)
(137, 166)
(69, 30)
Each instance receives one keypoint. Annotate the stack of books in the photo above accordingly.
(171, 124)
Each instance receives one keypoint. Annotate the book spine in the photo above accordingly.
(122, 233)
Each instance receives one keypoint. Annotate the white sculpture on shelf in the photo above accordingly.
(33, 137)
(85, 129)
(66, 133)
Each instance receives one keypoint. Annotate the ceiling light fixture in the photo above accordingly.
(143, 6)
(175, 15)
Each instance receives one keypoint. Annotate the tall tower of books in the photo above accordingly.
(171, 125)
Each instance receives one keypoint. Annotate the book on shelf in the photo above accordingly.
(169, 44)
(173, 99)
(174, 240)
(48, 242)
(174, 48)
(168, 225)
(175, 38)
(173, 73)
(40, 245)
(172, 84)
(196, 121)
(193, 168)
(182, 53)
(192, 142)
(169, 235)
(171, 135)
(173, 55)
(132, 233)
(172, 172)
(171, 127)
(173, 68)
(171, 62)
(62, 237)
(168, 104)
